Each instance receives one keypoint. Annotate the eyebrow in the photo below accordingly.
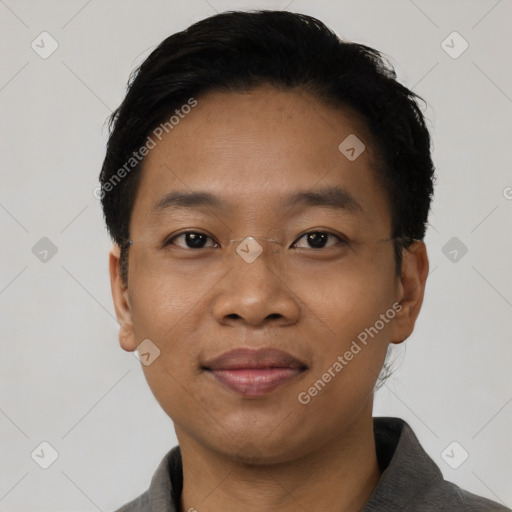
(328, 197)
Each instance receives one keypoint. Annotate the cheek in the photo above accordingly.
(171, 323)
(346, 314)
(160, 301)
(351, 344)
(167, 311)
(347, 299)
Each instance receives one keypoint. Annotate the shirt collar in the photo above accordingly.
(406, 471)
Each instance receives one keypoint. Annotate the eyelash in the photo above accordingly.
(169, 241)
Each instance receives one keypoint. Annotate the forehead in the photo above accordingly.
(254, 150)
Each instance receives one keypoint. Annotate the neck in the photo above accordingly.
(339, 476)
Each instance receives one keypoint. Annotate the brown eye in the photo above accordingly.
(191, 239)
(316, 240)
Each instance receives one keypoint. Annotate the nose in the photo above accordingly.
(255, 294)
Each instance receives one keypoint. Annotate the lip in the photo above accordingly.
(254, 372)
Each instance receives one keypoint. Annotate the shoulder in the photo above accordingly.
(140, 504)
(448, 497)
(165, 488)
(411, 481)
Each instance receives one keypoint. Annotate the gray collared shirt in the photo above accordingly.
(410, 480)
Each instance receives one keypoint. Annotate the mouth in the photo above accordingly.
(254, 372)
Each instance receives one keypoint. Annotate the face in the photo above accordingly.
(312, 296)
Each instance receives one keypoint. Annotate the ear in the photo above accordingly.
(121, 301)
(411, 290)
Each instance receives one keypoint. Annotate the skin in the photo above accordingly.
(271, 452)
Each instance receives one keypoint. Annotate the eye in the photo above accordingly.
(317, 240)
(192, 240)
(197, 240)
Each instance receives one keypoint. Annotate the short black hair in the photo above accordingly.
(240, 50)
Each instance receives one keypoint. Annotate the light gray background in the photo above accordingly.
(64, 378)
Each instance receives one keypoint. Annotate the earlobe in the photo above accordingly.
(121, 302)
(411, 290)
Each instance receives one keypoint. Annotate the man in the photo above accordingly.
(267, 187)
